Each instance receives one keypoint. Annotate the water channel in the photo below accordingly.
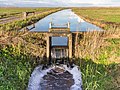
(57, 78)
(61, 18)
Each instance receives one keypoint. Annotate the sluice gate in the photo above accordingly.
(60, 52)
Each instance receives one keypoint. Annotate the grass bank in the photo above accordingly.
(99, 59)
(99, 46)
(17, 25)
(6, 12)
(103, 17)
(99, 76)
(20, 53)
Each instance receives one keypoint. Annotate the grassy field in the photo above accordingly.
(8, 12)
(99, 60)
(98, 54)
(17, 25)
(100, 16)
(20, 53)
(99, 76)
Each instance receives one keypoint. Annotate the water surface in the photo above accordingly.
(61, 18)
(59, 41)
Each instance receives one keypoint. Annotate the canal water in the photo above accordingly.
(55, 78)
(63, 17)
(59, 77)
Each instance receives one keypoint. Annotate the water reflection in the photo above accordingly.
(59, 41)
(62, 17)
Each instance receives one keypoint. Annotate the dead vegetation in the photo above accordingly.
(32, 43)
(95, 45)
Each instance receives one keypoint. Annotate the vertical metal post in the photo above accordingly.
(68, 25)
(50, 25)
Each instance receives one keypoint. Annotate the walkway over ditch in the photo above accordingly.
(59, 53)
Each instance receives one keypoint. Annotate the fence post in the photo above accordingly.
(24, 15)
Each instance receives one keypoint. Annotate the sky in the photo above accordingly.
(60, 3)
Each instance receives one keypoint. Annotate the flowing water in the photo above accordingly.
(56, 78)
(62, 77)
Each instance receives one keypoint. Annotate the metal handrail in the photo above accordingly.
(59, 25)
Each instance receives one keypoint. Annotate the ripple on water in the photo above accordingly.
(55, 78)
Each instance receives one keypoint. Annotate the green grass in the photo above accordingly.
(98, 57)
(100, 16)
(15, 69)
(8, 12)
(111, 52)
(19, 58)
(96, 76)
(17, 25)
(113, 49)
(21, 52)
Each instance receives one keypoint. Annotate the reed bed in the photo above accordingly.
(21, 52)
(98, 55)
(95, 43)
